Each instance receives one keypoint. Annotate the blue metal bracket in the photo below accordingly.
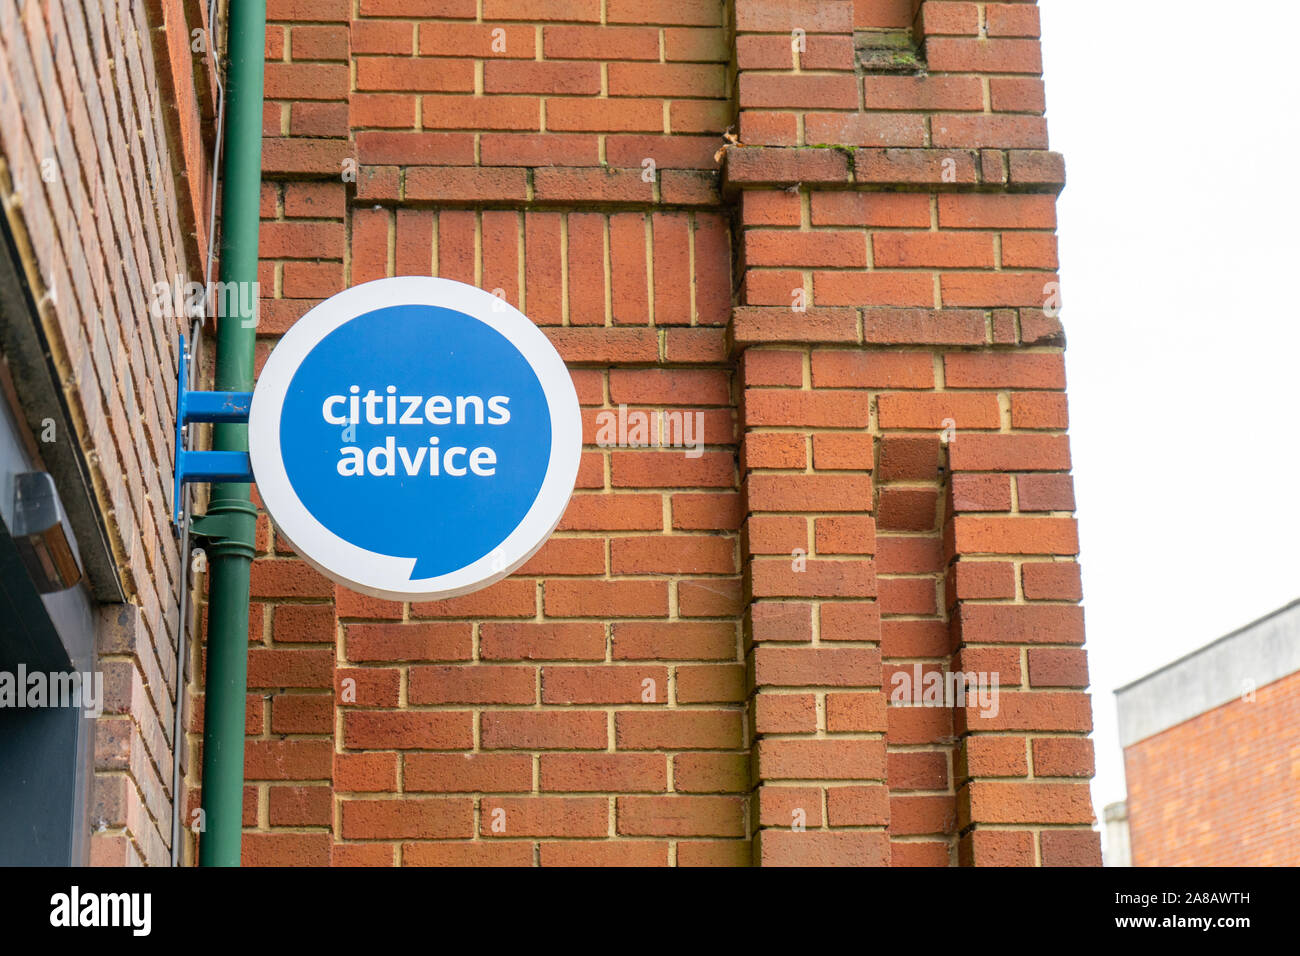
(207, 466)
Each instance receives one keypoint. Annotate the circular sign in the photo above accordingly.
(415, 438)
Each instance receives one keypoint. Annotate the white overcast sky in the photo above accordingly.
(1180, 237)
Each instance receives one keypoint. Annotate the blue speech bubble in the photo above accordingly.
(444, 521)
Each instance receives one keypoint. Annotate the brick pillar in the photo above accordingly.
(1022, 772)
(813, 622)
(897, 321)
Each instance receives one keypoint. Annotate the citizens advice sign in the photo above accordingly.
(415, 438)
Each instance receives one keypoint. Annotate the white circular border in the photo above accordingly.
(379, 575)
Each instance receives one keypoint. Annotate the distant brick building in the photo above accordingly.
(1212, 751)
(857, 295)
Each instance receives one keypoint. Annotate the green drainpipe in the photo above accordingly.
(230, 523)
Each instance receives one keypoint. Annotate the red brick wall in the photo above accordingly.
(102, 109)
(1189, 804)
(835, 528)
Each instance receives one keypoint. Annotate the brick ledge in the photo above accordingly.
(953, 170)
